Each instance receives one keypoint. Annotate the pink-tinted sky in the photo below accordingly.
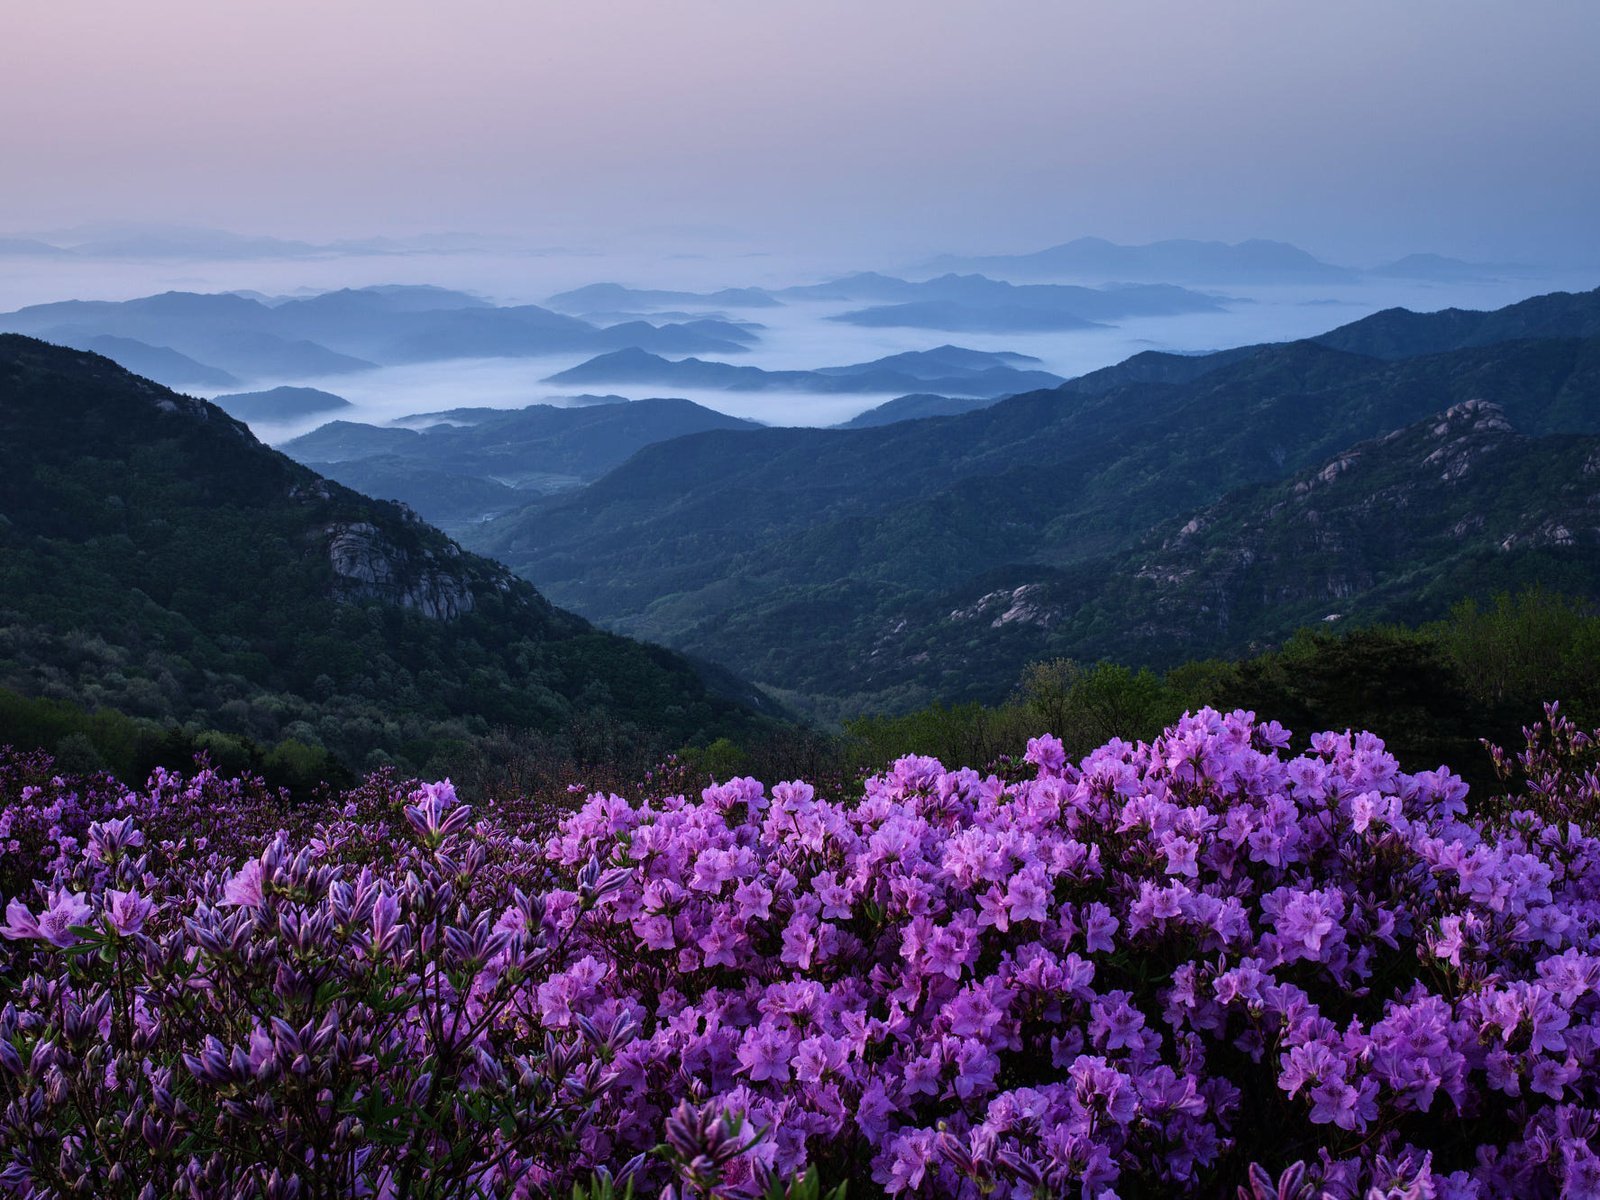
(1359, 128)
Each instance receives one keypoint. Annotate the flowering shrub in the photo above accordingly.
(342, 1014)
(1555, 776)
(1187, 967)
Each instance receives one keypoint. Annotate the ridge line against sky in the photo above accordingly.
(1359, 130)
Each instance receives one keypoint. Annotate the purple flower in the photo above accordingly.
(1348, 1107)
(1079, 982)
(1180, 853)
(127, 911)
(764, 1054)
(20, 923)
(1028, 895)
(1046, 753)
(54, 925)
(244, 887)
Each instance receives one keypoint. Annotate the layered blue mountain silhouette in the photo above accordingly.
(215, 340)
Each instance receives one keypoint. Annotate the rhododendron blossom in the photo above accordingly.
(1176, 968)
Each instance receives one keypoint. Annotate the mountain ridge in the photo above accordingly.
(895, 373)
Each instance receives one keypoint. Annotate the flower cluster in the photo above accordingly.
(346, 1012)
(1131, 976)
(1185, 967)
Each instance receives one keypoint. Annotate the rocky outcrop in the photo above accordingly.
(1459, 434)
(1025, 605)
(1382, 519)
(369, 566)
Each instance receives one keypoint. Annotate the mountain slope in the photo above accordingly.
(161, 363)
(741, 546)
(1394, 333)
(156, 558)
(1397, 528)
(1400, 333)
(914, 408)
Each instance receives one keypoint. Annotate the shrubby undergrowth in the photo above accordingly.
(1174, 968)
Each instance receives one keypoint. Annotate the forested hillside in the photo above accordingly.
(156, 559)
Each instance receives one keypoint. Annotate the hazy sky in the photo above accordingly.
(1357, 128)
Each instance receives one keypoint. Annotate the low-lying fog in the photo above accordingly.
(797, 335)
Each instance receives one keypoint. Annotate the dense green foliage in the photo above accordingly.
(131, 747)
(158, 561)
(1434, 693)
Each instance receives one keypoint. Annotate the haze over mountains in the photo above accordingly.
(146, 240)
(343, 331)
(1186, 261)
(954, 302)
(471, 464)
(376, 345)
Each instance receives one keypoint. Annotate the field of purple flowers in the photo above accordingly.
(1179, 968)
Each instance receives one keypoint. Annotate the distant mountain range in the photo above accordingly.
(16, 247)
(153, 362)
(828, 563)
(975, 304)
(1173, 261)
(1216, 263)
(956, 303)
(156, 559)
(1179, 261)
(952, 369)
(223, 338)
(1436, 268)
(474, 463)
(221, 341)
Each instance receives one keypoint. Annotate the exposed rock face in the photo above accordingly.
(371, 567)
(1022, 605)
(1459, 448)
(1439, 498)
